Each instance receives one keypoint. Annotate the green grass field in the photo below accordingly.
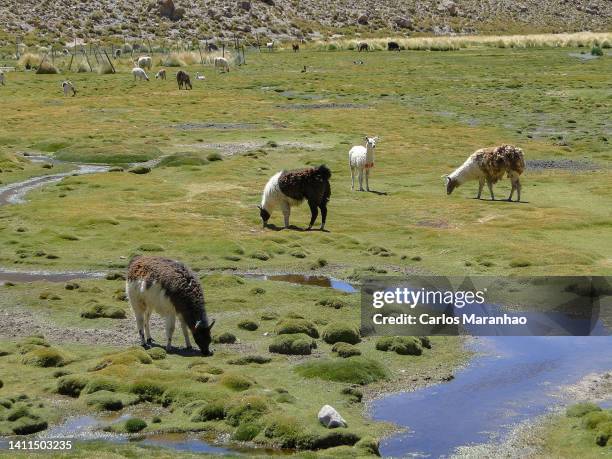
(220, 143)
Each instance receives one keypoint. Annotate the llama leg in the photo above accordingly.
(518, 190)
(360, 179)
(490, 185)
(323, 215)
(170, 322)
(367, 174)
(352, 179)
(147, 328)
(480, 187)
(286, 209)
(314, 212)
(140, 325)
(186, 334)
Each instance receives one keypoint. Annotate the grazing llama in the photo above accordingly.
(1, 77)
(222, 63)
(286, 189)
(270, 46)
(171, 289)
(393, 46)
(183, 80)
(161, 74)
(362, 159)
(200, 77)
(145, 62)
(68, 88)
(139, 74)
(295, 47)
(489, 165)
(363, 47)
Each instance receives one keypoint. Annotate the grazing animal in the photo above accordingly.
(363, 47)
(358, 62)
(304, 70)
(222, 63)
(489, 165)
(117, 53)
(199, 76)
(139, 74)
(183, 80)
(171, 289)
(161, 74)
(393, 46)
(295, 47)
(270, 46)
(286, 189)
(145, 62)
(212, 47)
(362, 159)
(1, 77)
(68, 87)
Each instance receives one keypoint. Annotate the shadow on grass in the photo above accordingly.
(273, 227)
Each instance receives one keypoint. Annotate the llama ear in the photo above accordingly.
(211, 324)
(259, 207)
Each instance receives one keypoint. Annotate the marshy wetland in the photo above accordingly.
(282, 298)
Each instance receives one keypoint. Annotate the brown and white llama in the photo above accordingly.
(489, 165)
(171, 289)
(286, 189)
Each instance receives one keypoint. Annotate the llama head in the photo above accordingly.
(202, 337)
(451, 184)
(264, 214)
(371, 142)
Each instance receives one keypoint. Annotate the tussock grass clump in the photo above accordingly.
(140, 170)
(225, 338)
(157, 353)
(596, 51)
(211, 411)
(354, 394)
(246, 432)
(369, 445)
(104, 69)
(100, 383)
(83, 67)
(345, 350)
(235, 382)
(45, 357)
(129, 357)
(333, 303)
(337, 332)
(294, 344)
(150, 247)
(183, 159)
(104, 400)
(246, 409)
(47, 68)
(356, 370)
(293, 325)
(97, 311)
(135, 425)
(403, 345)
(286, 431)
(249, 325)
(247, 359)
(604, 434)
(72, 385)
(148, 390)
(595, 418)
(29, 60)
(580, 409)
(17, 412)
(215, 156)
(29, 425)
(269, 315)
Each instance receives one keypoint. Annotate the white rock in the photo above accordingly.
(330, 418)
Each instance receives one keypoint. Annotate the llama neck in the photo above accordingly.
(369, 153)
(467, 171)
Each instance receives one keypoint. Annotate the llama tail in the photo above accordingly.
(323, 172)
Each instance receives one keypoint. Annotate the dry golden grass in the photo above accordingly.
(563, 40)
